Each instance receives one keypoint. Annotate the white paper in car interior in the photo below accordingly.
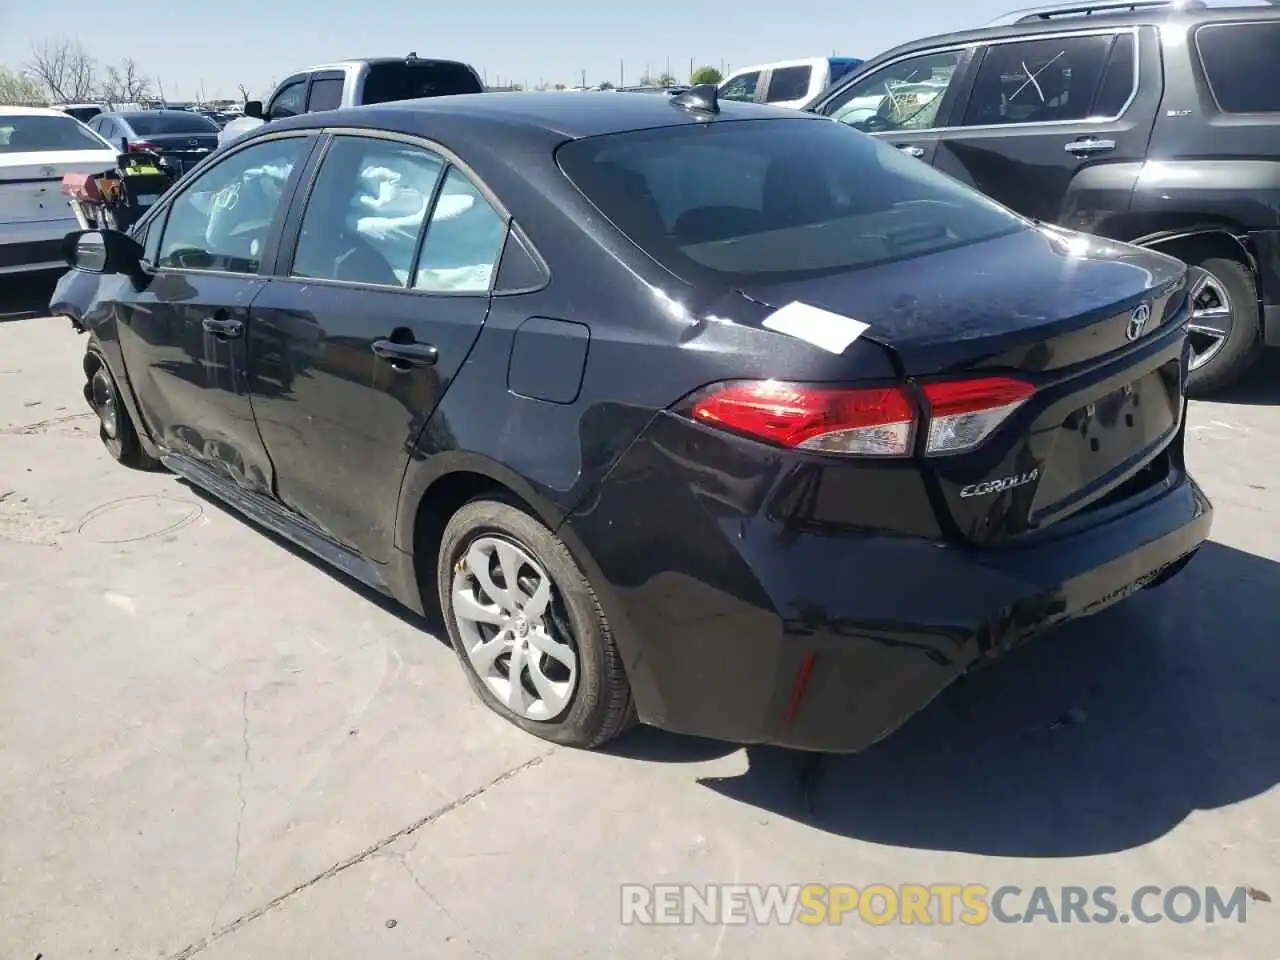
(830, 331)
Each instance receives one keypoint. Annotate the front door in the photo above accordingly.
(183, 333)
(905, 102)
(1042, 111)
(353, 347)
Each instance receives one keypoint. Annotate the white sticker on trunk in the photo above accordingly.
(830, 331)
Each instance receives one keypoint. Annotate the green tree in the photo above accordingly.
(706, 75)
(666, 80)
(19, 88)
(606, 86)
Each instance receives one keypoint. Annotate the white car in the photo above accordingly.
(787, 83)
(38, 147)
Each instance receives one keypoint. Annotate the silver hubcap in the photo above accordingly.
(503, 602)
(104, 403)
(1211, 318)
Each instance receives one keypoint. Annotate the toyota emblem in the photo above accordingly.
(48, 171)
(1138, 321)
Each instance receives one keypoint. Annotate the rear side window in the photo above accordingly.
(789, 83)
(326, 94)
(741, 88)
(759, 202)
(1040, 81)
(1242, 64)
(389, 82)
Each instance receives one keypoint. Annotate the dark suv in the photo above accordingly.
(1154, 123)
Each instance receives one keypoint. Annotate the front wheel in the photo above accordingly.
(528, 629)
(1225, 324)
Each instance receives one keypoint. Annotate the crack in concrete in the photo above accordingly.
(194, 948)
(435, 902)
(244, 765)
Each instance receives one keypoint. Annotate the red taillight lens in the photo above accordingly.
(143, 146)
(963, 413)
(875, 421)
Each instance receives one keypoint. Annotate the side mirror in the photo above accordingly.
(253, 108)
(103, 251)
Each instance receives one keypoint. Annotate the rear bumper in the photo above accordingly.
(742, 627)
(34, 246)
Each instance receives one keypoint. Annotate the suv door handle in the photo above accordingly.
(912, 151)
(220, 325)
(406, 355)
(1087, 145)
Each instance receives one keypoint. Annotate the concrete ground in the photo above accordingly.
(212, 746)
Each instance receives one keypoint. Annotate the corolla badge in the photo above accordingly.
(999, 486)
(1138, 318)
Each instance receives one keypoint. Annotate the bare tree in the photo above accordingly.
(64, 68)
(19, 88)
(124, 83)
(244, 94)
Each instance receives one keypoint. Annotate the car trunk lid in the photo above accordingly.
(31, 183)
(1097, 328)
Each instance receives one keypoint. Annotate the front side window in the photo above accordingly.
(289, 102)
(775, 200)
(906, 95)
(220, 222)
(366, 212)
(741, 87)
(33, 134)
(1039, 81)
(788, 83)
(1242, 64)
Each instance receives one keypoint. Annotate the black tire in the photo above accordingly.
(115, 427)
(601, 706)
(1243, 344)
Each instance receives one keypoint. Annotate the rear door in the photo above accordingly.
(1041, 111)
(789, 85)
(325, 92)
(906, 102)
(356, 341)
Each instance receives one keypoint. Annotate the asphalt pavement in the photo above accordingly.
(213, 746)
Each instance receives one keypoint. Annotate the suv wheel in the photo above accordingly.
(527, 628)
(1225, 323)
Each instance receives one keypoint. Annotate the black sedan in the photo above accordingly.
(717, 415)
(179, 137)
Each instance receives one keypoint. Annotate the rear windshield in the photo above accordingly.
(158, 124)
(757, 201)
(29, 134)
(388, 82)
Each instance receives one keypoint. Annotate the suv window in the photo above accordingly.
(1039, 81)
(749, 203)
(326, 94)
(366, 212)
(788, 83)
(464, 240)
(289, 102)
(741, 88)
(220, 221)
(388, 82)
(902, 96)
(1242, 64)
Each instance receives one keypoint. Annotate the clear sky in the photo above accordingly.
(223, 43)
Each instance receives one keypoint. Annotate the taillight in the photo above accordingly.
(862, 421)
(963, 413)
(143, 146)
(877, 421)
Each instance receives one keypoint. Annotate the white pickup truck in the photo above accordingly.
(352, 83)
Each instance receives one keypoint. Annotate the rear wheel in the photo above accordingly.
(115, 427)
(1225, 323)
(528, 629)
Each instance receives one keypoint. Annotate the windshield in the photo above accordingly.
(158, 124)
(28, 134)
(755, 202)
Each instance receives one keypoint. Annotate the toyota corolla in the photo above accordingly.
(710, 414)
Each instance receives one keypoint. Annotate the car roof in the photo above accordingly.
(8, 111)
(1083, 22)
(569, 115)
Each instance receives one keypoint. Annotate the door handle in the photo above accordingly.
(1087, 145)
(220, 325)
(406, 355)
(912, 151)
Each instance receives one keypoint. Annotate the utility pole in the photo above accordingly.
(622, 74)
(584, 78)
(691, 69)
(668, 70)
